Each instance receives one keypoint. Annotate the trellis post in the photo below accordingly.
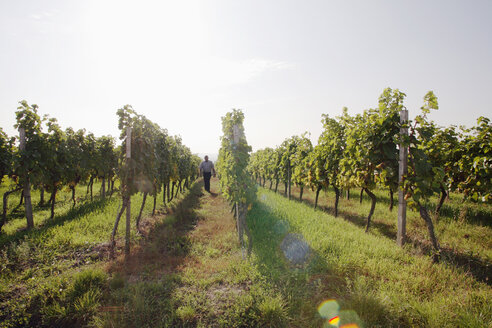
(27, 184)
(128, 156)
(402, 171)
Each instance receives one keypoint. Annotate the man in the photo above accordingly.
(206, 169)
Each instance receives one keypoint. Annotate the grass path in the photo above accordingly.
(189, 272)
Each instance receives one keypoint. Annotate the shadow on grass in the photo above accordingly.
(149, 270)
(357, 219)
(19, 210)
(306, 285)
(72, 214)
(168, 237)
(472, 213)
(479, 269)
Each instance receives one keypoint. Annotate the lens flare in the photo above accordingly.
(329, 309)
(295, 249)
(334, 321)
(350, 319)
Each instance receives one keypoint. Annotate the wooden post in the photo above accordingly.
(128, 206)
(27, 184)
(236, 135)
(402, 171)
(235, 141)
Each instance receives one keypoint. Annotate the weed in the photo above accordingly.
(144, 304)
(85, 281)
(272, 312)
(186, 314)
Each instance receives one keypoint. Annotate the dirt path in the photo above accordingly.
(189, 272)
(187, 238)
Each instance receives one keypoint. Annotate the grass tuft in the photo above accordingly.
(273, 312)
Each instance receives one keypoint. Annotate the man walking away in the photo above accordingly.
(206, 169)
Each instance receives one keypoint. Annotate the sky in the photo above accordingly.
(185, 64)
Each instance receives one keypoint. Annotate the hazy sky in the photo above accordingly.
(184, 64)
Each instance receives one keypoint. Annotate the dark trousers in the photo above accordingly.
(206, 179)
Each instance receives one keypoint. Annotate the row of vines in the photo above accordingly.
(153, 162)
(362, 151)
(235, 181)
(50, 159)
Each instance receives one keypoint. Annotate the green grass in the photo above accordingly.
(367, 274)
(464, 229)
(187, 270)
(37, 266)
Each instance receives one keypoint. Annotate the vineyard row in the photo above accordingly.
(48, 158)
(362, 151)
